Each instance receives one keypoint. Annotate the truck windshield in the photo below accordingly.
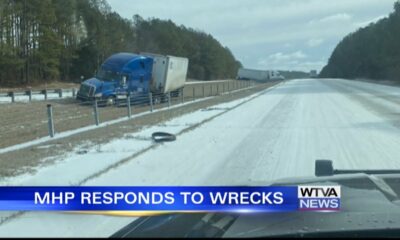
(107, 75)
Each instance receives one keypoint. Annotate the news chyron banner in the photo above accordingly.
(172, 199)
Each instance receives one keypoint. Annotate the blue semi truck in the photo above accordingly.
(135, 75)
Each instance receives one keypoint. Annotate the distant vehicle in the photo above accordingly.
(258, 75)
(275, 75)
(252, 74)
(137, 75)
(313, 74)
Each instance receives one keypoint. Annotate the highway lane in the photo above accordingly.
(277, 135)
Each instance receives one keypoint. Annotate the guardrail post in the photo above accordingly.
(128, 104)
(50, 120)
(217, 88)
(194, 93)
(151, 101)
(30, 95)
(210, 90)
(182, 96)
(96, 112)
(60, 93)
(223, 87)
(73, 92)
(12, 94)
(169, 99)
(45, 94)
(204, 95)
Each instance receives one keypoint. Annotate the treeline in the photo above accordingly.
(372, 52)
(47, 40)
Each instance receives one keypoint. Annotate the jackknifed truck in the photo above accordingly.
(125, 75)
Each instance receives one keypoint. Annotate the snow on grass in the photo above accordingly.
(94, 159)
(84, 162)
(103, 124)
(87, 128)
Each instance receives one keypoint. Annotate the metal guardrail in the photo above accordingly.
(152, 99)
(44, 92)
(60, 91)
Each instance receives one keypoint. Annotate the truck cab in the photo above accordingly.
(120, 74)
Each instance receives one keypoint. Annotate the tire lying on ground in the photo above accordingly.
(163, 137)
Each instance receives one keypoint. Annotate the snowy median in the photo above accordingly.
(95, 159)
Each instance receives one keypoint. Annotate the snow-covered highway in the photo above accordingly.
(276, 134)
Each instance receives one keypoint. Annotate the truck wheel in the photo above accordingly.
(109, 101)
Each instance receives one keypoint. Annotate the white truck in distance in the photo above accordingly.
(258, 75)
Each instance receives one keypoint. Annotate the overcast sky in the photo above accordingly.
(267, 34)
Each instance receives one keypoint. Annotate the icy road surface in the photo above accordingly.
(277, 134)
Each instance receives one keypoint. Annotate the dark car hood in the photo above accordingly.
(367, 202)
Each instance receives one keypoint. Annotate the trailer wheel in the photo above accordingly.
(176, 93)
(164, 98)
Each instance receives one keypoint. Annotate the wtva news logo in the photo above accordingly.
(319, 198)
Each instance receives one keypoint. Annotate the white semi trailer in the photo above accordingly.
(168, 73)
(258, 75)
